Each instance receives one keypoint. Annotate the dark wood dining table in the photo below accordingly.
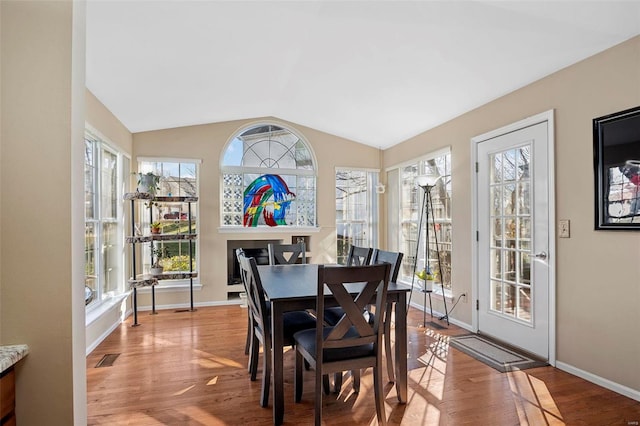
(294, 288)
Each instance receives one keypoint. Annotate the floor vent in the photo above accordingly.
(107, 360)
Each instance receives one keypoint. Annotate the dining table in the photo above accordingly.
(294, 288)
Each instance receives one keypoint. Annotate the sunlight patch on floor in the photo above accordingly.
(183, 391)
(426, 384)
(216, 362)
(197, 415)
(213, 381)
(534, 403)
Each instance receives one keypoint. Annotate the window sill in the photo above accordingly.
(437, 291)
(268, 229)
(171, 286)
(98, 309)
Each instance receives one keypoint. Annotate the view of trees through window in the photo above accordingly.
(356, 210)
(104, 181)
(179, 179)
(439, 219)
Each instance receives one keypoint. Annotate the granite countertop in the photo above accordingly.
(11, 354)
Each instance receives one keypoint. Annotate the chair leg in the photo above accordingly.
(337, 382)
(249, 335)
(297, 380)
(253, 358)
(387, 344)
(355, 375)
(326, 386)
(318, 389)
(378, 393)
(266, 377)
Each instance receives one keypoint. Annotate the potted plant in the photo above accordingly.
(148, 182)
(428, 277)
(158, 254)
(156, 227)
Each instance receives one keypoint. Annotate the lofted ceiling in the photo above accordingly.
(375, 72)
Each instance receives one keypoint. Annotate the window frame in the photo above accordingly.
(248, 170)
(417, 197)
(372, 217)
(98, 221)
(143, 219)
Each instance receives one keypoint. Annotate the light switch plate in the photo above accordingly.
(563, 228)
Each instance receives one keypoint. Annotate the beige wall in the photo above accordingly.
(41, 200)
(598, 287)
(207, 142)
(101, 119)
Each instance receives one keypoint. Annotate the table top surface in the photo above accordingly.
(286, 282)
(11, 354)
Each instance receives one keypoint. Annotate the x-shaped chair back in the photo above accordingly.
(359, 256)
(286, 254)
(392, 257)
(374, 280)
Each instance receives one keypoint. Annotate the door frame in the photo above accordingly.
(548, 117)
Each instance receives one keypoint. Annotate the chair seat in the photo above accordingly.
(297, 321)
(307, 340)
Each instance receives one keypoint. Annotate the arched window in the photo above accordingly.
(268, 179)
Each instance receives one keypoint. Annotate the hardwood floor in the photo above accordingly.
(189, 368)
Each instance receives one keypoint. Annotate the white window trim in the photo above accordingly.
(437, 292)
(259, 170)
(179, 283)
(95, 309)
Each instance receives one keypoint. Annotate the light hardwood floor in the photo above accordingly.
(189, 368)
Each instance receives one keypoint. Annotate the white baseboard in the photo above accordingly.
(601, 381)
(103, 336)
(437, 314)
(186, 305)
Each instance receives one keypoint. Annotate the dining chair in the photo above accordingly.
(395, 260)
(261, 323)
(358, 256)
(247, 345)
(333, 315)
(353, 343)
(283, 254)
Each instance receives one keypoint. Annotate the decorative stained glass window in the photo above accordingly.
(268, 179)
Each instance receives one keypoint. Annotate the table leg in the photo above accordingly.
(401, 347)
(277, 363)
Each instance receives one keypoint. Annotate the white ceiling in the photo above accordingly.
(376, 72)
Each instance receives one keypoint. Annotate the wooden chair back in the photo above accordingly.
(286, 254)
(374, 280)
(392, 257)
(359, 256)
(256, 300)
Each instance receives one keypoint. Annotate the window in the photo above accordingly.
(268, 179)
(356, 210)
(104, 179)
(410, 206)
(178, 178)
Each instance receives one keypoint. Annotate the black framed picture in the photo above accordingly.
(616, 159)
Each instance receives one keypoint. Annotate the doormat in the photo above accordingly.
(491, 353)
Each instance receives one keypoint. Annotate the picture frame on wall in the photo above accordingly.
(616, 159)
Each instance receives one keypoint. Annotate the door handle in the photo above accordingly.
(542, 255)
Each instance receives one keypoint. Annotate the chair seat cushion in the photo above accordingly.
(296, 321)
(307, 340)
